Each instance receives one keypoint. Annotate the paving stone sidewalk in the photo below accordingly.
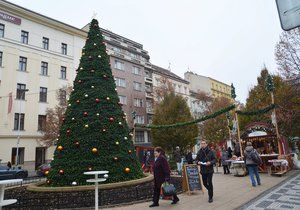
(230, 193)
(286, 196)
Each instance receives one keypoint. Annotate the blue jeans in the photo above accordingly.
(253, 170)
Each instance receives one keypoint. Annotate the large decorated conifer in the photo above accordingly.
(94, 134)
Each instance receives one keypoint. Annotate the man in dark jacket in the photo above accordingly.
(206, 158)
(252, 160)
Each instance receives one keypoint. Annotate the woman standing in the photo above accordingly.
(161, 175)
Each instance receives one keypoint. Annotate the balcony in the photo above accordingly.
(149, 110)
(148, 80)
(148, 89)
(149, 95)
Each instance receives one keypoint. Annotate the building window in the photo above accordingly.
(137, 86)
(41, 122)
(123, 99)
(22, 64)
(136, 70)
(138, 102)
(2, 28)
(24, 37)
(133, 55)
(64, 48)
(21, 152)
(17, 122)
(139, 119)
(43, 94)
(1, 58)
(119, 65)
(21, 91)
(62, 97)
(46, 43)
(120, 82)
(139, 136)
(44, 68)
(63, 72)
(116, 49)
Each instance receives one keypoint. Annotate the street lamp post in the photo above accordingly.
(19, 125)
(133, 114)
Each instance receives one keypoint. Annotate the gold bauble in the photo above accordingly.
(127, 170)
(94, 150)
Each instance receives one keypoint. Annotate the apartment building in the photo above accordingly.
(213, 87)
(128, 60)
(38, 56)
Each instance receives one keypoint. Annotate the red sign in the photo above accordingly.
(10, 18)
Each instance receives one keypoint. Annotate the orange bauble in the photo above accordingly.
(60, 148)
(46, 173)
(127, 170)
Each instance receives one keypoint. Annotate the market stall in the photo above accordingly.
(264, 140)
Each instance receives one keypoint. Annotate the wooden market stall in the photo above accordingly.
(264, 140)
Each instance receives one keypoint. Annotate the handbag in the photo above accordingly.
(168, 189)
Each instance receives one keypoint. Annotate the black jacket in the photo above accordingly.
(205, 155)
(189, 158)
(161, 171)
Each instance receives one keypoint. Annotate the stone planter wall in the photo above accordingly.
(82, 198)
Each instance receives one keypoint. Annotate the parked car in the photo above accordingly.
(12, 173)
(43, 169)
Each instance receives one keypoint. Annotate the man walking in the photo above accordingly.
(206, 158)
(252, 160)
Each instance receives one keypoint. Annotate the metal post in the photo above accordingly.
(238, 133)
(276, 127)
(96, 192)
(19, 126)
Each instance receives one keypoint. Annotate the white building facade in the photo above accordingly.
(38, 56)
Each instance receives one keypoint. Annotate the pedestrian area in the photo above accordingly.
(284, 196)
(233, 192)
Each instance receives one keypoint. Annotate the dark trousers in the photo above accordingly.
(226, 169)
(156, 194)
(207, 182)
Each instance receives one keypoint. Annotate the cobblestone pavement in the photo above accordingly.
(286, 196)
(229, 193)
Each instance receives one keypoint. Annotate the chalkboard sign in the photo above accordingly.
(192, 177)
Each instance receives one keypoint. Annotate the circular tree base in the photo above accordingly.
(38, 196)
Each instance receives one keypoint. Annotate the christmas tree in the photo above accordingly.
(94, 134)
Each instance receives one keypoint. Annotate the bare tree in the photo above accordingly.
(55, 116)
(164, 88)
(287, 53)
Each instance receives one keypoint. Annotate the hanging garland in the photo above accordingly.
(257, 112)
(221, 111)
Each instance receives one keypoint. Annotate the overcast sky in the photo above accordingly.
(229, 40)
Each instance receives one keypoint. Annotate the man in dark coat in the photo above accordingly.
(161, 175)
(206, 158)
